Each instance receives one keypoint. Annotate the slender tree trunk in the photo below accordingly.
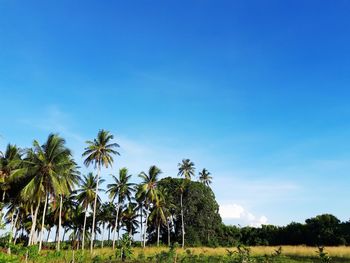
(116, 226)
(56, 236)
(43, 222)
(158, 230)
(32, 230)
(145, 230)
(102, 234)
(64, 233)
(182, 222)
(48, 235)
(10, 238)
(94, 214)
(168, 232)
(59, 224)
(109, 234)
(83, 241)
(141, 224)
(14, 229)
(3, 196)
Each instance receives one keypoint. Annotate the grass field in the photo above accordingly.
(290, 254)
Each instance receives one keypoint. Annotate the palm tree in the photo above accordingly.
(99, 152)
(69, 178)
(186, 169)
(205, 178)
(11, 168)
(48, 163)
(159, 213)
(129, 218)
(120, 189)
(148, 188)
(86, 195)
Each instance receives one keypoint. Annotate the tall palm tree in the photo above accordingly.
(148, 188)
(205, 178)
(120, 190)
(99, 152)
(159, 213)
(85, 196)
(186, 169)
(69, 178)
(48, 163)
(129, 218)
(140, 200)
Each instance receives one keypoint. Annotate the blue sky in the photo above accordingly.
(257, 92)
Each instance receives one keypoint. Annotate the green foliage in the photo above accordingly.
(201, 218)
(323, 255)
(124, 249)
(5, 258)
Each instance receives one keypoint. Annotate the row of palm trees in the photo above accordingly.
(42, 188)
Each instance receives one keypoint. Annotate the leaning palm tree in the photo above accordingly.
(48, 162)
(148, 189)
(186, 169)
(86, 196)
(205, 178)
(120, 190)
(99, 152)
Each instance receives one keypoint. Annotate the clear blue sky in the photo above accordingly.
(255, 91)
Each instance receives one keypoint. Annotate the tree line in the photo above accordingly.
(41, 188)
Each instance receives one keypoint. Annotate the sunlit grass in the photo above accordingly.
(304, 251)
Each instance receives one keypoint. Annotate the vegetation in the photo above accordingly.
(42, 190)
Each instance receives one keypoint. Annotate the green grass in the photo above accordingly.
(290, 254)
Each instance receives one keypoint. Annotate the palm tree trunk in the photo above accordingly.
(43, 222)
(144, 231)
(102, 234)
(182, 222)
(48, 235)
(59, 224)
(168, 232)
(94, 214)
(116, 225)
(64, 233)
(83, 241)
(32, 230)
(141, 224)
(9, 248)
(3, 196)
(158, 230)
(14, 228)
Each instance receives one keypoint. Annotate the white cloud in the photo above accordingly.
(241, 215)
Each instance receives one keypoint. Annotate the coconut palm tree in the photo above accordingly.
(159, 213)
(48, 163)
(129, 219)
(69, 178)
(186, 169)
(205, 178)
(148, 188)
(85, 196)
(11, 168)
(99, 152)
(120, 190)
